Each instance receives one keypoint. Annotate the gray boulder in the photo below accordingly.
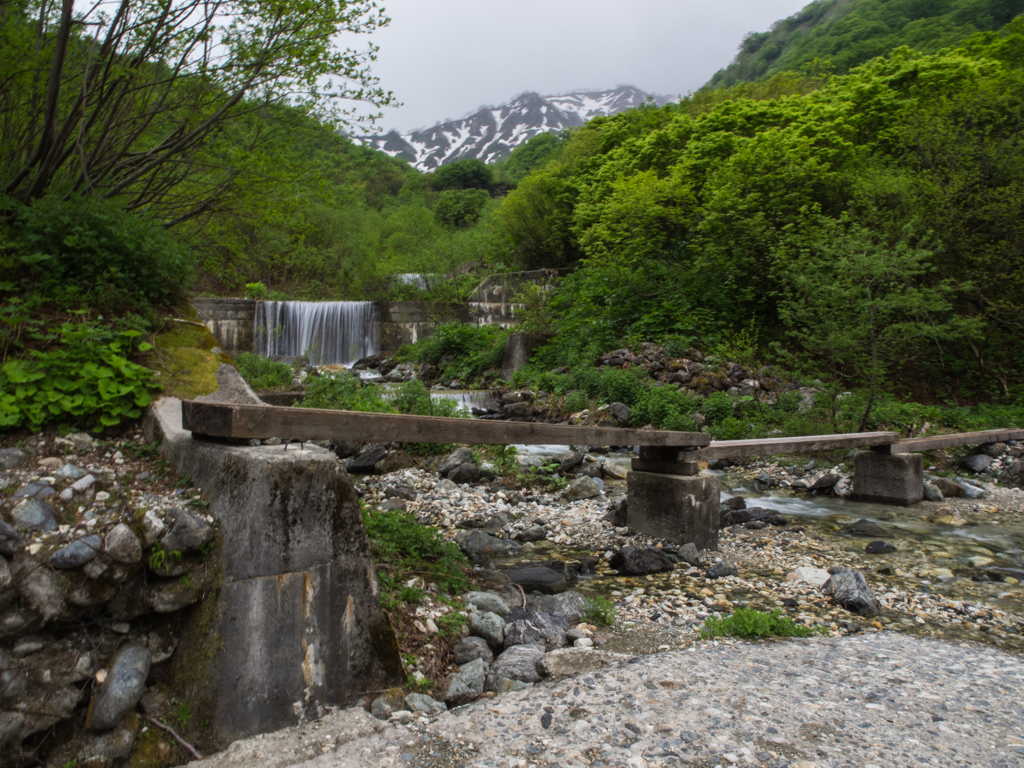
(489, 626)
(572, 604)
(932, 493)
(864, 527)
(364, 463)
(533, 533)
(482, 546)
(824, 482)
(633, 561)
(77, 553)
(388, 702)
(566, 662)
(420, 702)
(457, 457)
(688, 553)
(123, 545)
(582, 488)
(34, 515)
(516, 663)
(465, 473)
(38, 586)
(187, 534)
(34, 490)
(467, 684)
(976, 462)
(486, 601)
(470, 649)
(947, 488)
(538, 579)
(850, 589)
(570, 461)
(10, 539)
(70, 472)
(879, 548)
(538, 629)
(123, 687)
(11, 458)
(721, 569)
(972, 491)
(621, 413)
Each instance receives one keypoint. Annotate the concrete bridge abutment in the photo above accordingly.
(888, 478)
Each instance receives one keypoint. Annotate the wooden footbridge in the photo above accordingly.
(661, 451)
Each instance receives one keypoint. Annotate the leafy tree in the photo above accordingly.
(463, 174)
(460, 208)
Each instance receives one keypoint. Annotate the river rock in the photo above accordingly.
(850, 589)
(465, 473)
(582, 488)
(489, 626)
(168, 596)
(38, 586)
(34, 515)
(815, 576)
(454, 459)
(470, 649)
(621, 413)
(420, 702)
(633, 561)
(187, 534)
(70, 472)
(122, 689)
(366, 462)
(486, 601)
(570, 461)
(394, 462)
(533, 533)
(614, 470)
(976, 462)
(12, 458)
(879, 548)
(516, 663)
(538, 629)
(572, 604)
(100, 749)
(591, 470)
(77, 553)
(34, 490)
(972, 491)
(482, 546)
(688, 553)
(948, 488)
(538, 579)
(84, 484)
(824, 482)
(467, 684)
(736, 502)
(152, 527)
(932, 493)
(5, 574)
(123, 545)
(564, 662)
(10, 539)
(391, 700)
(864, 527)
(721, 569)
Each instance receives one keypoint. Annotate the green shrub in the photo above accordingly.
(85, 380)
(262, 373)
(462, 350)
(600, 612)
(665, 408)
(676, 346)
(404, 547)
(255, 291)
(344, 392)
(718, 407)
(89, 252)
(576, 401)
(752, 624)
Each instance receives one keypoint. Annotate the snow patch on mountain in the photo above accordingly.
(493, 132)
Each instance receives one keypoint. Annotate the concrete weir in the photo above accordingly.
(295, 623)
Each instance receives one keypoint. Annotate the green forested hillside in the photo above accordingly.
(846, 33)
(869, 226)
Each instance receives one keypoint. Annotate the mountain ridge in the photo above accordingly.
(491, 133)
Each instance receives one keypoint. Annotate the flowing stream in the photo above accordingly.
(335, 332)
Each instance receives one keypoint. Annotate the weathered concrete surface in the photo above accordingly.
(232, 321)
(296, 623)
(883, 699)
(518, 348)
(888, 478)
(679, 509)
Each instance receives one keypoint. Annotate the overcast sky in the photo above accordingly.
(445, 58)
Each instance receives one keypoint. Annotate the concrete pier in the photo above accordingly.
(888, 478)
(674, 507)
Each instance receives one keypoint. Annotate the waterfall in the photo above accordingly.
(337, 332)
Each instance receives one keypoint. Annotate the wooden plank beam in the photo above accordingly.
(735, 449)
(265, 421)
(917, 444)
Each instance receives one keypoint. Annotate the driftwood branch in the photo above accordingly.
(181, 741)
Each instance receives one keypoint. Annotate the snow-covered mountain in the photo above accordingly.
(493, 132)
